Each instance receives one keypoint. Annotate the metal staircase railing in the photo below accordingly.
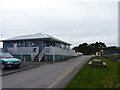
(33, 55)
(42, 54)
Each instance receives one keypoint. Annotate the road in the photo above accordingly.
(55, 75)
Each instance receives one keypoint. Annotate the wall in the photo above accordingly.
(6, 45)
(58, 51)
(57, 57)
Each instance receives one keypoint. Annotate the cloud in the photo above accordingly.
(72, 21)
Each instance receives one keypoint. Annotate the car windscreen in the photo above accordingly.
(5, 55)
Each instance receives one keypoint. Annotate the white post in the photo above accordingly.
(31, 53)
(53, 57)
(21, 53)
(45, 53)
(22, 50)
(39, 56)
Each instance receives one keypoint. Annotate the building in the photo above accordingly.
(38, 47)
(0, 49)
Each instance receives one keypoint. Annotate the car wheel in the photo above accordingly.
(3, 66)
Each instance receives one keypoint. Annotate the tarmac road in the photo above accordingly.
(55, 75)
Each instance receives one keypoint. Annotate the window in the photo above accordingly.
(34, 49)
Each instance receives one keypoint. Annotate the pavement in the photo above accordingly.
(55, 75)
(24, 66)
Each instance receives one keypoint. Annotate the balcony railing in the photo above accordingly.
(60, 51)
(23, 50)
(48, 51)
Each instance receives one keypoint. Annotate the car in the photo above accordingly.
(8, 61)
(80, 53)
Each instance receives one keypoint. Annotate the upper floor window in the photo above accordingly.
(68, 47)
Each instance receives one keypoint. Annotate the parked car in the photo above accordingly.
(80, 53)
(8, 61)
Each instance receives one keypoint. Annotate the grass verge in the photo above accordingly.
(96, 77)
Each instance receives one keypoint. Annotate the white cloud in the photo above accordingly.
(26, 4)
(74, 21)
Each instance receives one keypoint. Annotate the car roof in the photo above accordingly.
(4, 54)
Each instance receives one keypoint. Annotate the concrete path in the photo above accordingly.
(55, 75)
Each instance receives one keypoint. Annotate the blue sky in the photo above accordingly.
(74, 21)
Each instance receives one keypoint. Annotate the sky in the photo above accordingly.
(73, 21)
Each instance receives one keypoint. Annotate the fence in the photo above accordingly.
(60, 51)
(23, 50)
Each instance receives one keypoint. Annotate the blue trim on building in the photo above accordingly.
(35, 43)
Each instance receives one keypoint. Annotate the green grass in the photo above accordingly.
(96, 77)
(112, 57)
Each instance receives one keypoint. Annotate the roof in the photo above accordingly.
(33, 37)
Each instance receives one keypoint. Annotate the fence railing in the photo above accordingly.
(46, 50)
(34, 54)
(42, 54)
(23, 50)
(60, 51)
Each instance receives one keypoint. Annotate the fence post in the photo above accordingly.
(53, 57)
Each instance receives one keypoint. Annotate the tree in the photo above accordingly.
(89, 49)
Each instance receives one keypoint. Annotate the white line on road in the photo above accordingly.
(64, 74)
